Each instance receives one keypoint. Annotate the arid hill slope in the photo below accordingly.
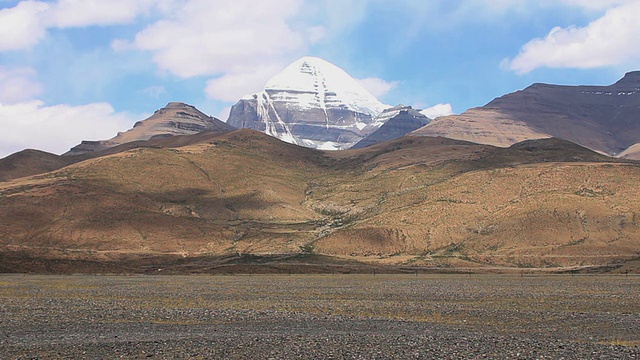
(415, 200)
(31, 162)
(34, 162)
(602, 118)
(174, 119)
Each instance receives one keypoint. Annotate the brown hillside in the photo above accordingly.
(34, 162)
(602, 118)
(415, 201)
(489, 126)
(632, 152)
(167, 127)
(174, 119)
(31, 162)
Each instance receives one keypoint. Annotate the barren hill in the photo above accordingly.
(414, 201)
(602, 118)
(174, 119)
(30, 162)
(33, 162)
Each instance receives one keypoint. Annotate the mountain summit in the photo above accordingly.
(311, 103)
(174, 119)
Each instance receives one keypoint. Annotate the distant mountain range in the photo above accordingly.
(509, 185)
(313, 103)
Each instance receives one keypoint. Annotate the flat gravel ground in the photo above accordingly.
(320, 317)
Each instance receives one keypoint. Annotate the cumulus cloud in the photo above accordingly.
(57, 128)
(232, 37)
(608, 41)
(25, 24)
(18, 84)
(74, 13)
(438, 110)
(378, 87)
(240, 44)
(233, 86)
(22, 26)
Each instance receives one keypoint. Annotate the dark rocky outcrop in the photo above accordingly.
(397, 122)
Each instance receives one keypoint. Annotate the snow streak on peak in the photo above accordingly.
(311, 103)
(318, 83)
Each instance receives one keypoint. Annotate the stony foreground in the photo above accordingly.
(320, 317)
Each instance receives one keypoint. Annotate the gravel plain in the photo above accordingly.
(320, 317)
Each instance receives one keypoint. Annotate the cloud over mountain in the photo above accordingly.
(610, 40)
(57, 128)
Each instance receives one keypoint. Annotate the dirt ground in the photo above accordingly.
(320, 316)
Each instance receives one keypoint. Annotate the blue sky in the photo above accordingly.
(85, 69)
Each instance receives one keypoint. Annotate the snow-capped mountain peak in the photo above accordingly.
(312, 75)
(311, 103)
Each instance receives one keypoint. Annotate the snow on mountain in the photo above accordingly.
(311, 103)
(318, 81)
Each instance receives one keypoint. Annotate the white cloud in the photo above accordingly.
(239, 43)
(233, 86)
(17, 84)
(25, 24)
(21, 26)
(57, 128)
(79, 13)
(438, 110)
(610, 40)
(378, 87)
(233, 36)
